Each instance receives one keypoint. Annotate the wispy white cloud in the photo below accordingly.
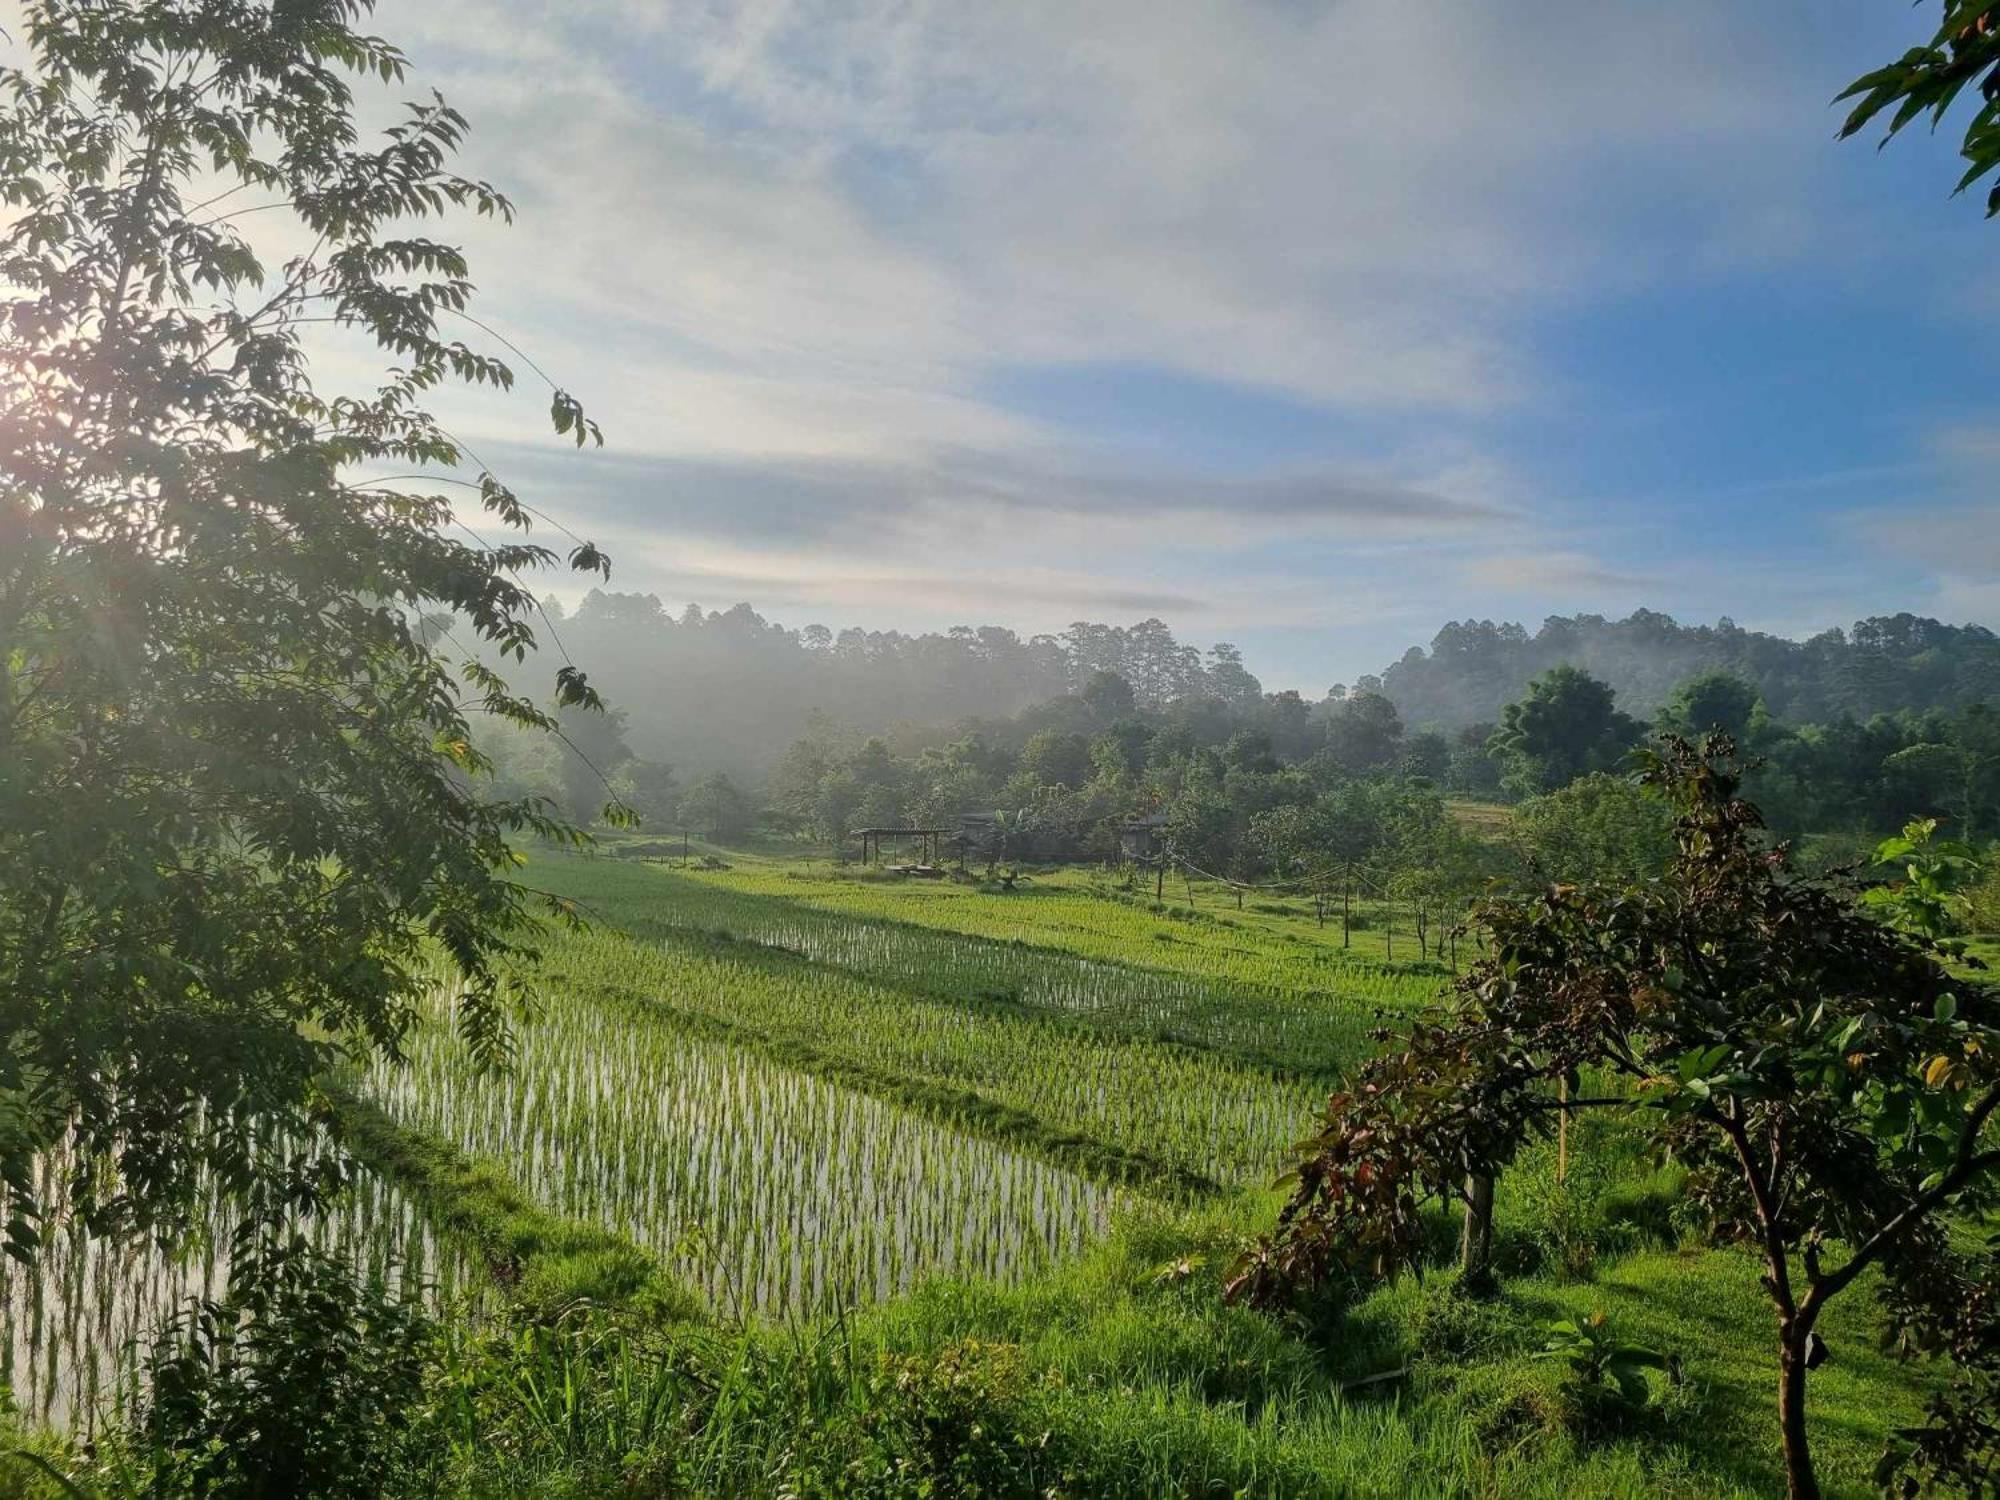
(1575, 575)
(782, 247)
(804, 233)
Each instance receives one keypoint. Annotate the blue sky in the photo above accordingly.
(1307, 326)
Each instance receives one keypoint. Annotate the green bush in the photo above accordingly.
(957, 1422)
(1564, 1216)
(300, 1381)
(1982, 902)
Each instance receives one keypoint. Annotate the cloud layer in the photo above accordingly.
(1297, 320)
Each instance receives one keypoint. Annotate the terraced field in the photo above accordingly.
(1285, 1002)
(1072, 913)
(775, 1191)
(797, 1093)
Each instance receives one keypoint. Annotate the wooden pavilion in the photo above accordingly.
(928, 841)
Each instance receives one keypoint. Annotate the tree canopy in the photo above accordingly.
(239, 801)
(1568, 725)
(1715, 701)
(1929, 79)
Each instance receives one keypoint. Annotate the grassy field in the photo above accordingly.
(1196, 931)
(1169, 1056)
(898, 1187)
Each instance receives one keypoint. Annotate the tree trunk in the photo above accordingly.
(1475, 1246)
(1800, 1483)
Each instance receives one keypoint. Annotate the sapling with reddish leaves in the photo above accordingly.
(1828, 1081)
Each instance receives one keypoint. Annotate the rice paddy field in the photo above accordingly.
(800, 1095)
(75, 1326)
(775, 1191)
(1198, 932)
(800, 1105)
(883, 1130)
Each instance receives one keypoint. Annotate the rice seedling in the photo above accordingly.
(73, 1325)
(1189, 1113)
(775, 1191)
(1062, 915)
(1311, 1032)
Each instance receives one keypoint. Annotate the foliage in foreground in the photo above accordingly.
(1125, 1374)
(297, 1381)
(1829, 1082)
(237, 792)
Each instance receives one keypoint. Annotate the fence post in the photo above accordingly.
(1562, 1133)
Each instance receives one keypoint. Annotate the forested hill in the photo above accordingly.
(1882, 665)
(730, 690)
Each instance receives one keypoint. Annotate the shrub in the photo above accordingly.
(301, 1380)
(1982, 902)
(959, 1422)
(1607, 1380)
(1564, 1215)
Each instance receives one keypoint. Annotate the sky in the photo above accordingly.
(1303, 324)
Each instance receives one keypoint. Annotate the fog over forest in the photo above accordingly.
(757, 683)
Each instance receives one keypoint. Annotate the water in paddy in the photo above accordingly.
(75, 1326)
(1310, 1029)
(775, 1191)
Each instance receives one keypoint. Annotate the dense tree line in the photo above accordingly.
(1888, 664)
(1855, 728)
(1263, 786)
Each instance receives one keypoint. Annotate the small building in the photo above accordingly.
(926, 840)
(1140, 840)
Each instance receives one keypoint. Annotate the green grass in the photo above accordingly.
(1074, 911)
(541, 1260)
(1124, 1374)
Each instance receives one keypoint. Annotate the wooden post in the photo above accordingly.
(1562, 1133)
(684, 848)
(1160, 881)
(1346, 907)
(1391, 930)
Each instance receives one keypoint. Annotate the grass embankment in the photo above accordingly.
(541, 1261)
